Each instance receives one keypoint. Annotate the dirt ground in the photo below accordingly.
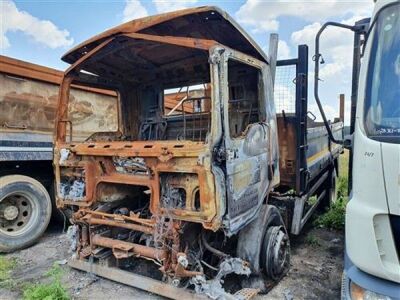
(316, 265)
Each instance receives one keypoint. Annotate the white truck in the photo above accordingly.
(372, 268)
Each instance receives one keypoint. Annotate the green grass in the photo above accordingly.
(344, 164)
(6, 266)
(46, 291)
(312, 240)
(334, 218)
(52, 290)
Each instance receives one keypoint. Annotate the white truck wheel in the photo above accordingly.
(25, 211)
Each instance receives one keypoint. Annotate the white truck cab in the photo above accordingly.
(372, 267)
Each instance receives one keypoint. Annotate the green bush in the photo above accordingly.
(334, 218)
(343, 185)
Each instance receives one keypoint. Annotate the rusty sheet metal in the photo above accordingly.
(161, 158)
(27, 70)
(185, 23)
(162, 150)
(197, 43)
(30, 106)
(287, 151)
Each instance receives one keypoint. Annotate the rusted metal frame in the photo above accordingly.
(137, 25)
(135, 280)
(148, 22)
(208, 205)
(202, 44)
(97, 221)
(78, 63)
(118, 218)
(63, 97)
(62, 109)
(131, 249)
(90, 172)
(139, 148)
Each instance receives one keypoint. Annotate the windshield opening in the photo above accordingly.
(91, 111)
(382, 103)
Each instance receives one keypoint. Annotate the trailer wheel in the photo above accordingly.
(25, 211)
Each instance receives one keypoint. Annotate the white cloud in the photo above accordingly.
(263, 15)
(166, 6)
(336, 47)
(134, 10)
(42, 31)
(283, 50)
(330, 112)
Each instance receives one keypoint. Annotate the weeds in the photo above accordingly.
(312, 200)
(53, 290)
(334, 218)
(6, 266)
(312, 240)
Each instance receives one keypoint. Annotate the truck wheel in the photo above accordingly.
(275, 255)
(265, 244)
(25, 211)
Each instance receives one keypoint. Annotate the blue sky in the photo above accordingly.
(42, 31)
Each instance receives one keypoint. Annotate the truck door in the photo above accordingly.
(246, 136)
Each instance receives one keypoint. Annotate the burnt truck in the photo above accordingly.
(199, 202)
(28, 102)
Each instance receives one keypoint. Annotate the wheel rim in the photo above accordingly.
(18, 212)
(277, 252)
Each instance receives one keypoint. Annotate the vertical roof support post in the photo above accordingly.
(273, 54)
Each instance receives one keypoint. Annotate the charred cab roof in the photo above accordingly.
(203, 23)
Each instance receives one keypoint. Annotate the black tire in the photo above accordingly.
(275, 257)
(25, 211)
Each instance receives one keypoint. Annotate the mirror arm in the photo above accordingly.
(316, 58)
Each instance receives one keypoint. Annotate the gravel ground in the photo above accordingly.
(316, 265)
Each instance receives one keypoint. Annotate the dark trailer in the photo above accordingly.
(308, 159)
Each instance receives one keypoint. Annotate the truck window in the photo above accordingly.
(187, 112)
(188, 99)
(244, 93)
(91, 111)
(382, 101)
